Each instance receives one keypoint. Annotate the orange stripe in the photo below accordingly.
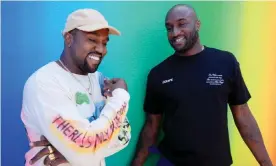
(270, 88)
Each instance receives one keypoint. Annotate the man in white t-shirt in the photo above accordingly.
(81, 114)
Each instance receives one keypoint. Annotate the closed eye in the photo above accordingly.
(183, 24)
(169, 29)
(92, 40)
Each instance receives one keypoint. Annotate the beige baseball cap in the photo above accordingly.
(88, 20)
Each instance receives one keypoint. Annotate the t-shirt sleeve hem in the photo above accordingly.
(240, 102)
(152, 112)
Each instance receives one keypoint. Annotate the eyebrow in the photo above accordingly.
(181, 19)
(96, 34)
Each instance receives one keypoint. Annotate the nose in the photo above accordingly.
(99, 49)
(175, 31)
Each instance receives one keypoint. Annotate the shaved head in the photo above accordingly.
(182, 27)
(184, 8)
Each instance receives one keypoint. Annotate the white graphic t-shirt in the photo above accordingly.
(75, 117)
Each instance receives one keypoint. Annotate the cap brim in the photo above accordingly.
(91, 28)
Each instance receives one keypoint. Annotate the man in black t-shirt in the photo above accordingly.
(190, 91)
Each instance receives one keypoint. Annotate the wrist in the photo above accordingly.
(121, 93)
(265, 163)
(140, 159)
(137, 162)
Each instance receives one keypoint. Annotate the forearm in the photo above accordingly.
(148, 137)
(88, 136)
(251, 135)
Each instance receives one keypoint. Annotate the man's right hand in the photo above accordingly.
(59, 158)
(112, 84)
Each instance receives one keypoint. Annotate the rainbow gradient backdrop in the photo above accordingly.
(31, 37)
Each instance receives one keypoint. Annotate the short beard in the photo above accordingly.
(85, 67)
(190, 43)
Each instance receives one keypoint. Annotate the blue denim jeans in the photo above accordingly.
(162, 161)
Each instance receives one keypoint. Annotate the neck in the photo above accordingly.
(197, 48)
(69, 64)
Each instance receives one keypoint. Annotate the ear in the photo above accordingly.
(198, 23)
(68, 38)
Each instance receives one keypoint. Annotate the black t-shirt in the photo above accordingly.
(192, 93)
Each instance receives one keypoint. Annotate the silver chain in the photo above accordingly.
(87, 89)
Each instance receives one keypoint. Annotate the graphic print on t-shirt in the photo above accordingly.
(124, 135)
(215, 79)
(81, 98)
(98, 108)
(83, 140)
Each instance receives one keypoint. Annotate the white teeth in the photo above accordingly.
(94, 58)
(179, 39)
